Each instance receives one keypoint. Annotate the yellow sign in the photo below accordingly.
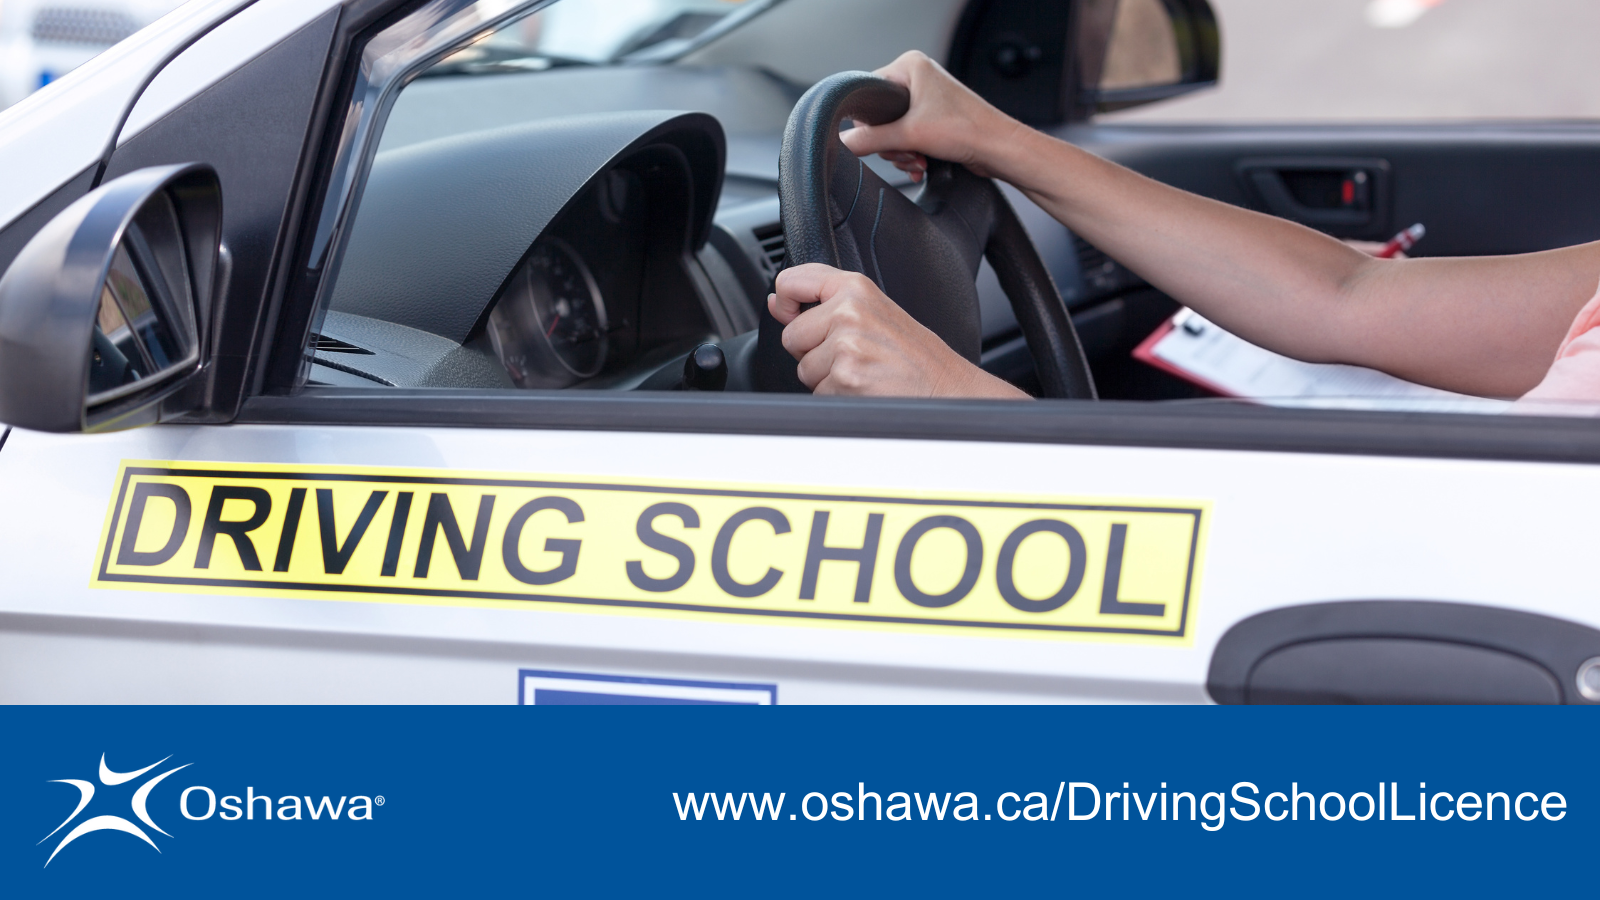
(1022, 566)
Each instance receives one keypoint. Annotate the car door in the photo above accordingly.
(428, 544)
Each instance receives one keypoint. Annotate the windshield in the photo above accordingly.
(593, 32)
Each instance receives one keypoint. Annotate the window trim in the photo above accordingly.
(1210, 425)
(1188, 425)
(364, 84)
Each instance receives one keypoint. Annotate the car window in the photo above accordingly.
(527, 211)
(1298, 60)
(519, 208)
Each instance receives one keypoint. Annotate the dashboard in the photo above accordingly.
(558, 254)
(569, 311)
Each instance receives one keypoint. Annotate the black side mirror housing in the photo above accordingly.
(1133, 52)
(1048, 62)
(101, 314)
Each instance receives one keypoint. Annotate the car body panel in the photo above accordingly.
(1285, 529)
(43, 40)
(64, 128)
(226, 47)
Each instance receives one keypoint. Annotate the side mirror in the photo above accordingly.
(1133, 52)
(101, 313)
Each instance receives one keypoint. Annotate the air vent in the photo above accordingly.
(1091, 259)
(321, 343)
(770, 237)
(78, 25)
(1101, 274)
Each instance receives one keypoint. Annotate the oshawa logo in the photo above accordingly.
(109, 778)
(204, 806)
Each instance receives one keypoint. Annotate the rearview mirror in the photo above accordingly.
(101, 313)
(1052, 61)
(1133, 52)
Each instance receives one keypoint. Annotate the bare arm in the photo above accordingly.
(1487, 325)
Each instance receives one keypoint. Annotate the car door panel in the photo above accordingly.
(1495, 187)
(1285, 529)
(236, 41)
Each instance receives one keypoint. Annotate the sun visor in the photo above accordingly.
(442, 224)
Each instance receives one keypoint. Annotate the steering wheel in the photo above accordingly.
(923, 253)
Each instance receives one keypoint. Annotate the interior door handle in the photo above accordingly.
(1343, 196)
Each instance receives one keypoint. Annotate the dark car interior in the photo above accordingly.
(505, 240)
(1481, 188)
(612, 281)
(581, 269)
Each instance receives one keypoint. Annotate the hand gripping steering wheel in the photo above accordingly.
(924, 254)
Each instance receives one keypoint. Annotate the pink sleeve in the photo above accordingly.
(1575, 374)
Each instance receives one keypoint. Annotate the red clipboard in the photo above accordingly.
(1146, 353)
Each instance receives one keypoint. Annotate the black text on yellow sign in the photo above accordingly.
(1017, 565)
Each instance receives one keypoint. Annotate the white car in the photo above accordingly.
(369, 351)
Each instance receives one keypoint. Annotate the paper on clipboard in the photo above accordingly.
(1199, 351)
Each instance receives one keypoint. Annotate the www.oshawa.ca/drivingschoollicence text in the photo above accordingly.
(1087, 802)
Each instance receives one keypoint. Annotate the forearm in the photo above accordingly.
(1479, 325)
(1270, 281)
(1237, 267)
(1486, 325)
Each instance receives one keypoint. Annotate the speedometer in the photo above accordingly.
(550, 326)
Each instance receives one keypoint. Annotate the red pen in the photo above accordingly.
(1402, 242)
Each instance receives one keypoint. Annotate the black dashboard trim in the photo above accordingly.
(423, 203)
(1199, 425)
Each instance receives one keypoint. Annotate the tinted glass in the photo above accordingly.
(140, 330)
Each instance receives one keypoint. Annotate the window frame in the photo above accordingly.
(345, 135)
(279, 397)
(1176, 425)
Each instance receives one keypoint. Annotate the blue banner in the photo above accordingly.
(664, 800)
